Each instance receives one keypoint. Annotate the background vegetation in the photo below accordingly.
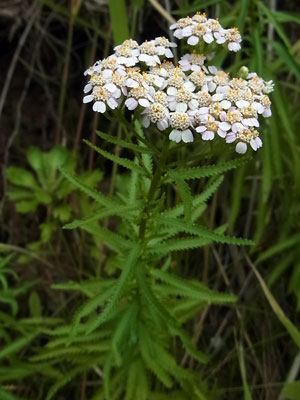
(253, 345)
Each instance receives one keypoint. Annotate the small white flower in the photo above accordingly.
(184, 95)
(192, 62)
(163, 46)
(233, 38)
(157, 114)
(199, 79)
(269, 87)
(149, 53)
(139, 96)
(219, 79)
(102, 97)
(209, 126)
(196, 32)
(244, 136)
(180, 122)
(179, 25)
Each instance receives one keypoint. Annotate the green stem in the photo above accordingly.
(155, 183)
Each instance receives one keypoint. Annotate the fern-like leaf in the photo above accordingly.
(120, 211)
(178, 210)
(88, 308)
(184, 243)
(202, 172)
(114, 241)
(151, 361)
(121, 332)
(165, 316)
(185, 194)
(124, 162)
(202, 232)
(66, 379)
(124, 143)
(97, 196)
(118, 289)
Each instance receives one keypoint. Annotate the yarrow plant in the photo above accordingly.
(130, 330)
(186, 99)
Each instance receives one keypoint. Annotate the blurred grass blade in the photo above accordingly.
(119, 21)
(277, 25)
(286, 322)
(247, 393)
(291, 390)
(240, 21)
(287, 58)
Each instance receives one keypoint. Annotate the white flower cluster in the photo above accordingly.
(184, 100)
(200, 27)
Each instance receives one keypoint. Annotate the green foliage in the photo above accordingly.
(143, 316)
(46, 186)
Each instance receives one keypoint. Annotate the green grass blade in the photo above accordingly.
(119, 21)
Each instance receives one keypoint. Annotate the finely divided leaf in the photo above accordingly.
(124, 162)
(202, 172)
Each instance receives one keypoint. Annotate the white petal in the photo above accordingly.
(221, 133)
(131, 103)
(187, 31)
(193, 40)
(144, 102)
(144, 57)
(208, 135)
(220, 37)
(112, 103)
(212, 69)
(223, 116)
(146, 122)
(253, 144)
(132, 83)
(88, 98)
(175, 136)
(208, 38)
(87, 88)
(181, 107)
(117, 94)
(224, 126)
(193, 104)
(99, 106)
(163, 124)
(172, 105)
(258, 142)
(233, 46)
(258, 107)
(187, 136)
(171, 91)
(201, 129)
(230, 137)
(217, 97)
(203, 110)
(225, 104)
(211, 86)
(189, 86)
(241, 148)
(242, 103)
(178, 34)
(168, 53)
(237, 126)
(267, 113)
(111, 87)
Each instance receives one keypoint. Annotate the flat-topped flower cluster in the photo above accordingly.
(187, 99)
